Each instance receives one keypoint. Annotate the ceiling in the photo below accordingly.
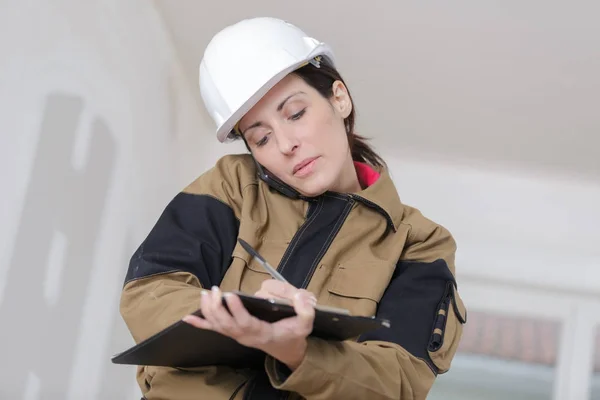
(486, 82)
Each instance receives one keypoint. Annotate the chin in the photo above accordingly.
(311, 193)
(312, 189)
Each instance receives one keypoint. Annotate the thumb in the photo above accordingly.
(304, 305)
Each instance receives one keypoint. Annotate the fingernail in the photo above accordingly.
(204, 293)
(313, 300)
(215, 289)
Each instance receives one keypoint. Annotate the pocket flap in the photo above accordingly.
(366, 282)
(272, 251)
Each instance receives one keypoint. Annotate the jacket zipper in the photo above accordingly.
(351, 202)
(437, 339)
(375, 206)
(343, 218)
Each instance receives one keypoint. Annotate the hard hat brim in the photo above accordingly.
(224, 132)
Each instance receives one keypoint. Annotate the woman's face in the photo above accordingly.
(299, 136)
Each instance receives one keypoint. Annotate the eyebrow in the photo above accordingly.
(279, 108)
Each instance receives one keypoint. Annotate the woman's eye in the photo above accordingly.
(298, 115)
(262, 141)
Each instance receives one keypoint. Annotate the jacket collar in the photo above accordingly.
(381, 195)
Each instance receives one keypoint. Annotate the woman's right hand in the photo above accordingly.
(285, 340)
(274, 289)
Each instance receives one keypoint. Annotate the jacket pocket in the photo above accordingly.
(252, 273)
(359, 288)
(447, 329)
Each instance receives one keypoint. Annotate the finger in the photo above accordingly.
(220, 316)
(304, 304)
(246, 322)
(263, 294)
(278, 289)
(205, 304)
(310, 296)
(266, 295)
(208, 308)
(273, 288)
(305, 310)
(197, 322)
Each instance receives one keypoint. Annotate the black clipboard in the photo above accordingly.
(182, 345)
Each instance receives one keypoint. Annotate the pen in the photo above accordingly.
(273, 272)
(262, 261)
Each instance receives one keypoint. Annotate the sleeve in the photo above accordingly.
(426, 315)
(188, 248)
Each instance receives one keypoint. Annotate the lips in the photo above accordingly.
(303, 164)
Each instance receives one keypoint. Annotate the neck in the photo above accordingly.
(348, 180)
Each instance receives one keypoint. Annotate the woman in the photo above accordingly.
(314, 199)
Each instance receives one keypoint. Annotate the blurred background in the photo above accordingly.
(487, 112)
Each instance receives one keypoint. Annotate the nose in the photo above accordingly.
(287, 142)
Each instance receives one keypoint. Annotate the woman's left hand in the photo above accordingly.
(284, 340)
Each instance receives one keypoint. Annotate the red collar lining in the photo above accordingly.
(366, 174)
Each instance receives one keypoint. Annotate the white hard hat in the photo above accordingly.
(244, 60)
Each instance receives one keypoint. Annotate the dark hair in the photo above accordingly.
(322, 78)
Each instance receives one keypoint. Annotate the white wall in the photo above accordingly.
(506, 82)
(527, 246)
(505, 220)
(99, 129)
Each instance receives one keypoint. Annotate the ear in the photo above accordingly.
(340, 99)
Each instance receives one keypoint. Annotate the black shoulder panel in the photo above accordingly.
(195, 234)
